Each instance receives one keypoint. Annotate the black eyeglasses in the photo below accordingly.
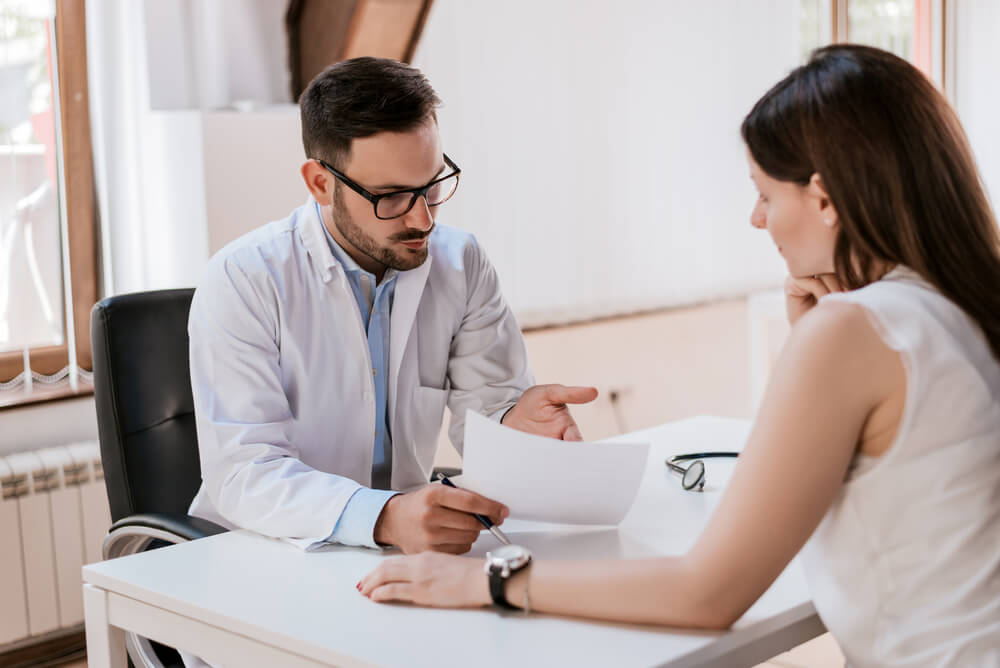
(399, 202)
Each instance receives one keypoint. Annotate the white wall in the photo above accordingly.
(976, 89)
(251, 162)
(603, 168)
(44, 425)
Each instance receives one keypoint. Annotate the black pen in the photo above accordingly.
(485, 521)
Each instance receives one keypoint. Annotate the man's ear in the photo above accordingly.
(816, 190)
(319, 181)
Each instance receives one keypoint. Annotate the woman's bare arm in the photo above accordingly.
(832, 373)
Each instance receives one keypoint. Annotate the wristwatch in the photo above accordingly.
(500, 565)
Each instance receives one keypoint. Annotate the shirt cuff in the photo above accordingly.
(356, 525)
(502, 413)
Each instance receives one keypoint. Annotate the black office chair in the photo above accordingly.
(145, 418)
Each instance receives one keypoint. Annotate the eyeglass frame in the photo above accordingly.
(417, 192)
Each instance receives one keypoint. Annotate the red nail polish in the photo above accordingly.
(358, 586)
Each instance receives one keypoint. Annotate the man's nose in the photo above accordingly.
(420, 217)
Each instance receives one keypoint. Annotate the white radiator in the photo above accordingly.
(53, 518)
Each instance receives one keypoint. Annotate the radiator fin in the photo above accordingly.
(54, 514)
(13, 597)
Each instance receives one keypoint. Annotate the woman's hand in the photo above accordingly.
(801, 294)
(430, 579)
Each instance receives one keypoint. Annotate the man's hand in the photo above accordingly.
(435, 518)
(801, 294)
(542, 410)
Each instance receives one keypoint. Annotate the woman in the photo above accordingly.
(877, 444)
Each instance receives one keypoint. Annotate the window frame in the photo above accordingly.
(77, 169)
(934, 20)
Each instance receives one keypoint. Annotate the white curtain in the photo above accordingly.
(210, 54)
(118, 90)
(603, 168)
(154, 68)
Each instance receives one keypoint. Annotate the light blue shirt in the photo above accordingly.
(356, 525)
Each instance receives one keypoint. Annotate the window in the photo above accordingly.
(911, 29)
(48, 257)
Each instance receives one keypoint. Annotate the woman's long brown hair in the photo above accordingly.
(897, 166)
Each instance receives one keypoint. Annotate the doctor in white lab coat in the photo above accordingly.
(325, 346)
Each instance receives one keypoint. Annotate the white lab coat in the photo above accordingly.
(282, 376)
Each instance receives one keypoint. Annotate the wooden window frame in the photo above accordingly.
(78, 171)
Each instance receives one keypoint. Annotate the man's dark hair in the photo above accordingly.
(361, 97)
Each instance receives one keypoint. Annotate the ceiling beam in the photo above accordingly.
(322, 32)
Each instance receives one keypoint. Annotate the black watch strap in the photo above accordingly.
(498, 589)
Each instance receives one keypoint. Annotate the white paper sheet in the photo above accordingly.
(549, 480)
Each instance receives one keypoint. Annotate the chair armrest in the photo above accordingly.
(134, 533)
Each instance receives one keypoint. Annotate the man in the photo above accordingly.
(324, 347)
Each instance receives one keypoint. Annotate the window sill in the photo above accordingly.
(43, 394)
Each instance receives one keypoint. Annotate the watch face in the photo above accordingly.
(513, 555)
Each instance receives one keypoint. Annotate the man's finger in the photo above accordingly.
(456, 548)
(575, 394)
(447, 518)
(572, 432)
(444, 536)
(469, 502)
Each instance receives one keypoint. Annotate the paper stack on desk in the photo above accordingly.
(548, 480)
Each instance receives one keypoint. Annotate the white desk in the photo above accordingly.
(240, 599)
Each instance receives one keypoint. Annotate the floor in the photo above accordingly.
(821, 652)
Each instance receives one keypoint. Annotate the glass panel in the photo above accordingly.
(31, 296)
(441, 191)
(887, 24)
(816, 25)
(393, 205)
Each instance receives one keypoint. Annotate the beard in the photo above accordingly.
(402, 260)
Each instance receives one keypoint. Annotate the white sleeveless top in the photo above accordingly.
(905, 567)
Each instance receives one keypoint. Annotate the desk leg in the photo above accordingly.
(105, 643)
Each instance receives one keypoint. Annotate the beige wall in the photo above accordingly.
(663, 366)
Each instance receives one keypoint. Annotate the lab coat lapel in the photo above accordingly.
(409, 288)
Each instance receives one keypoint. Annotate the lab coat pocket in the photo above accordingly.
(428, 412)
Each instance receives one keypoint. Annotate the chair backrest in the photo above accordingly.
(145, 412)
